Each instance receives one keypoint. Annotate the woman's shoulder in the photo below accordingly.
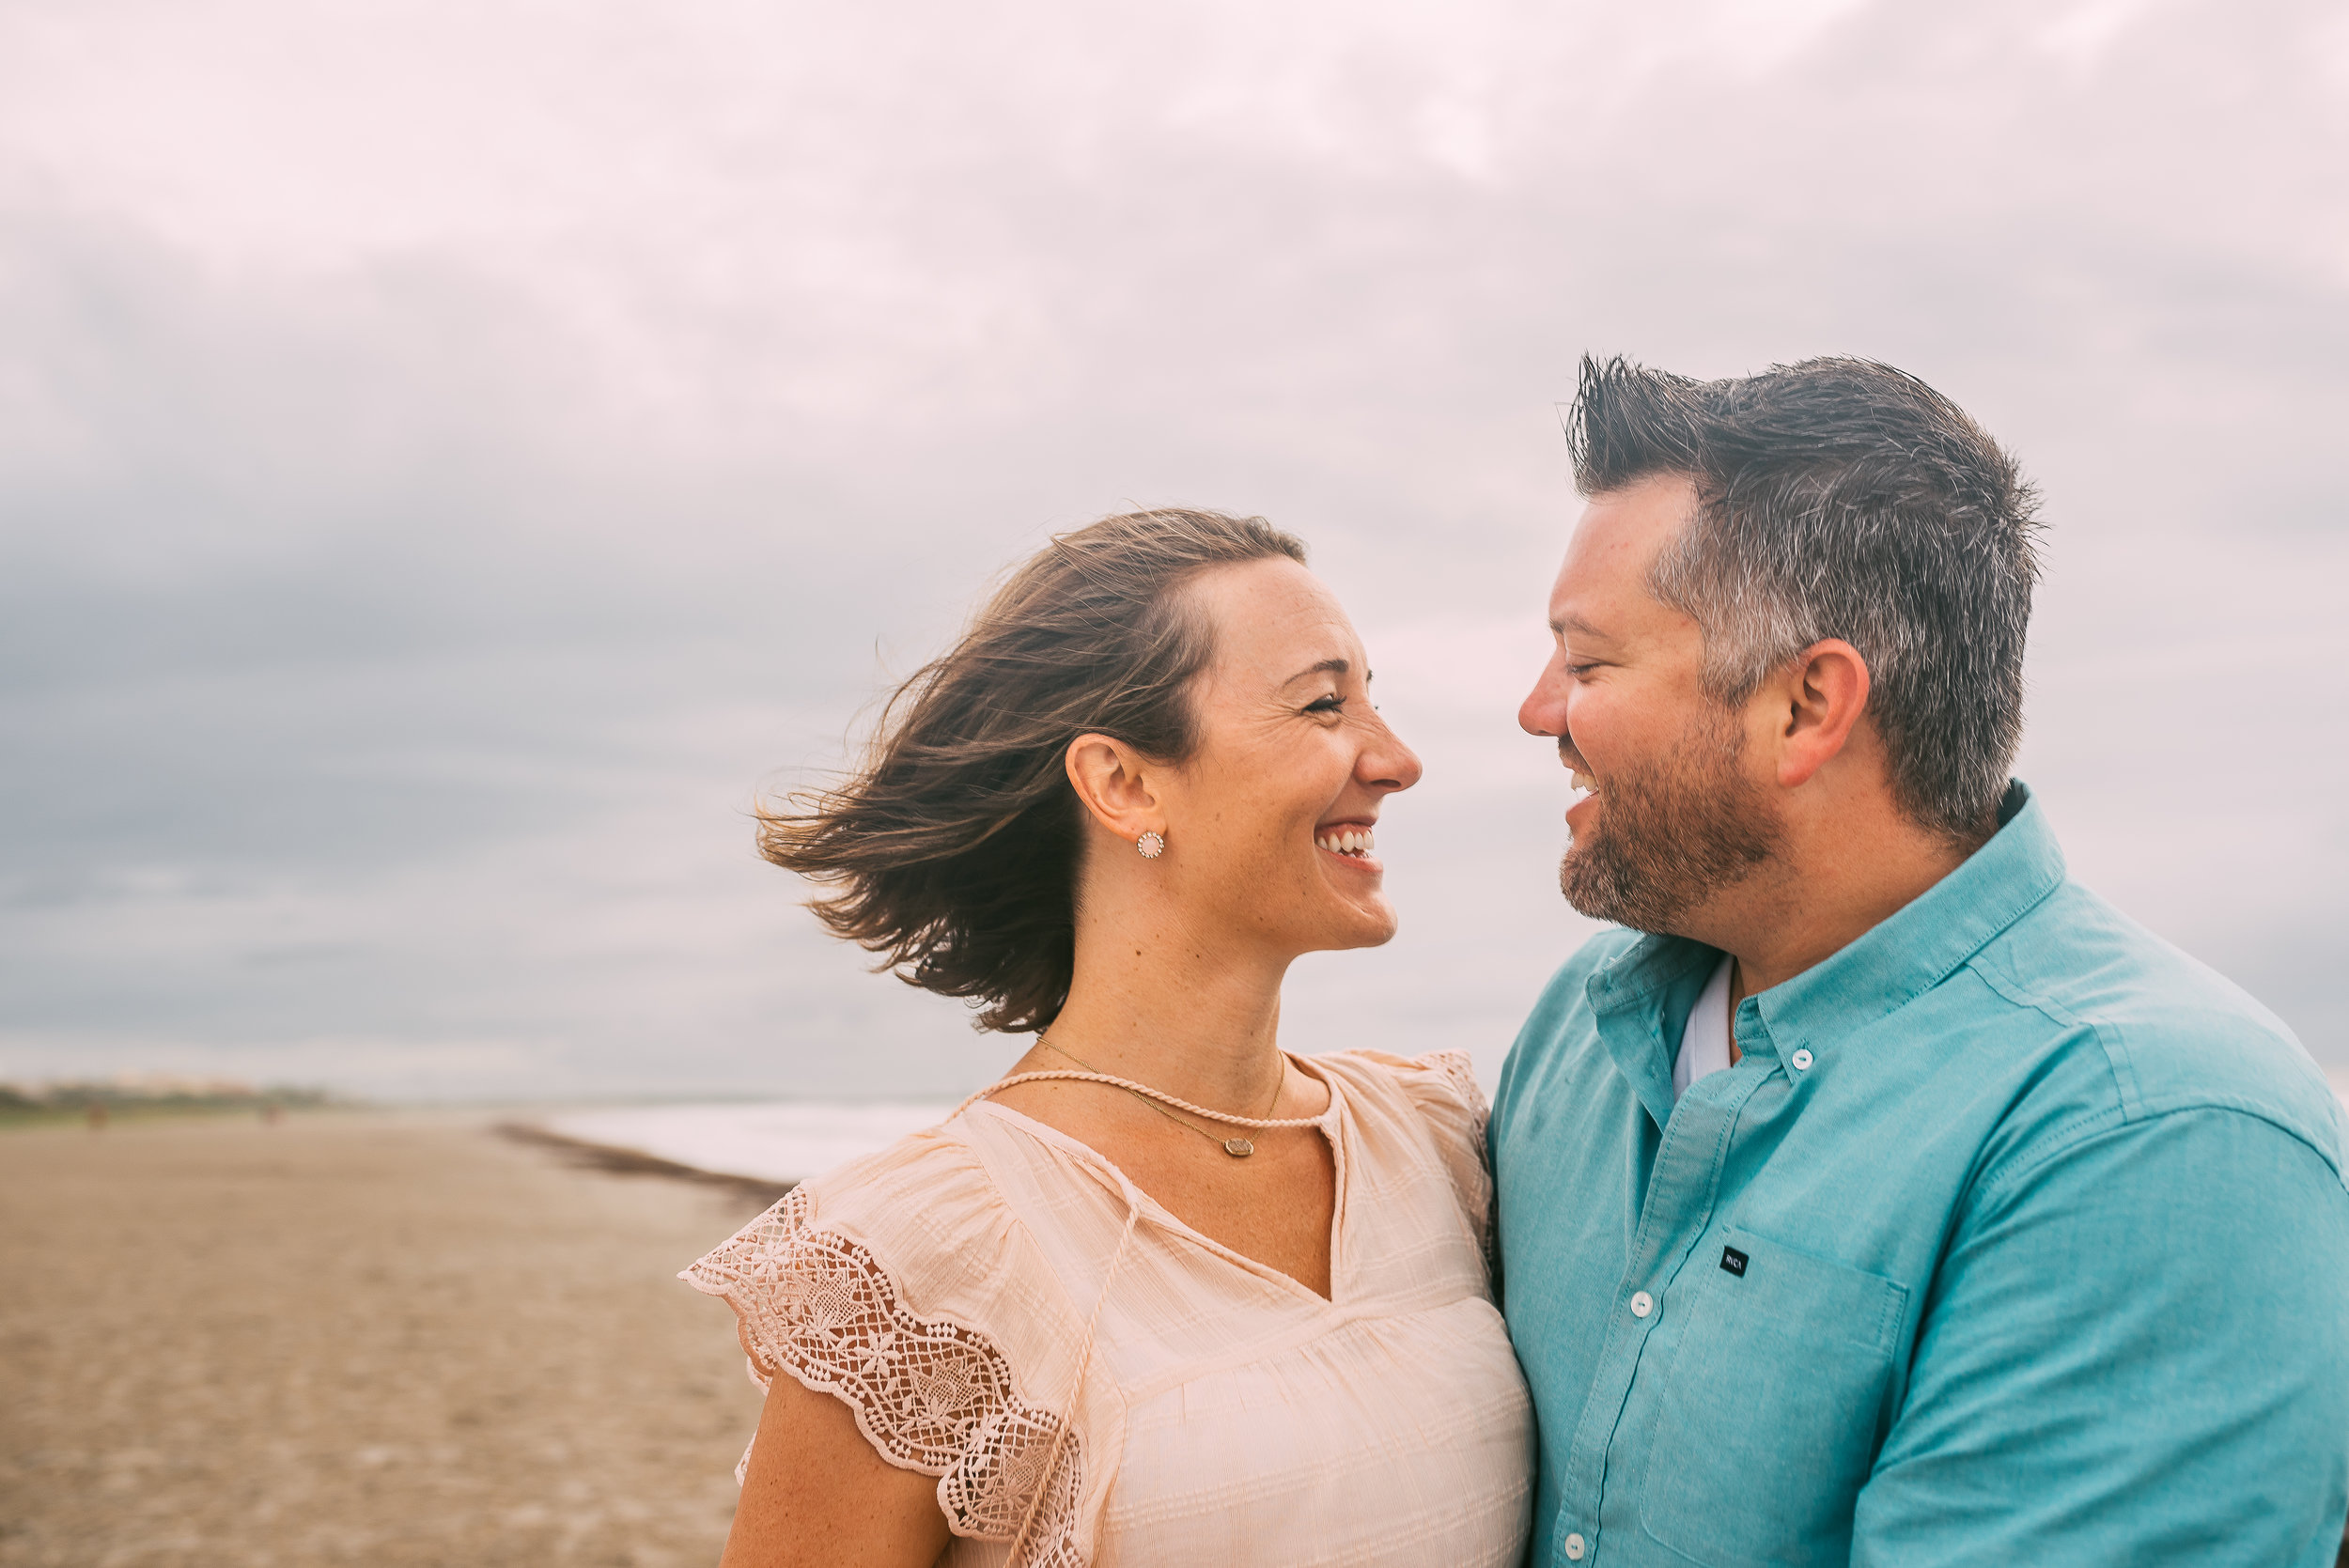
(920, 1217)
(937, 1163)
(902, 1284)
(1434, 1114)
(1440, 1087)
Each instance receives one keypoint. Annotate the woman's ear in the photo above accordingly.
(1112, 782)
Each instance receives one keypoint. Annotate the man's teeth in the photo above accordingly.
(1580, 779)
(1346, 841)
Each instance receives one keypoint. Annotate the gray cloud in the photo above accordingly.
(445, 470)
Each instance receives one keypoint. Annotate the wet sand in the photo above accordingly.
(356, 1338)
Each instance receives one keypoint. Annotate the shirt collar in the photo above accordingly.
(1887, 966)
(1641, 999)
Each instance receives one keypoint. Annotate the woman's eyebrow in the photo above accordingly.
(1326, 667)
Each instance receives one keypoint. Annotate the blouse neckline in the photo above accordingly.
(1332, 1125)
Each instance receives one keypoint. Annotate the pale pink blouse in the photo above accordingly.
(1094, 1382)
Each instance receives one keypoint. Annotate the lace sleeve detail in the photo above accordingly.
(929, 1395)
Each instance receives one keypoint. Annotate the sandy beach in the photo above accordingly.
(356, 1338)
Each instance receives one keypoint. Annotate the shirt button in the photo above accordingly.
(1801, 1059)
(1574, 1548)
(1641, 1303)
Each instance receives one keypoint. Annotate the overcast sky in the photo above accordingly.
(454, 455)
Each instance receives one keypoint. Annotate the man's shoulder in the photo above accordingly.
(1565, 1000)
(1565, 987)
(1561, 1019)
(2167, 1033)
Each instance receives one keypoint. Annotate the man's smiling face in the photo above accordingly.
(1669, 817)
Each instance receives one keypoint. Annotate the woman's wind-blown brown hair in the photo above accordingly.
(953, 851)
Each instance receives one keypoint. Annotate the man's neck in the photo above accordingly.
(1835, 883)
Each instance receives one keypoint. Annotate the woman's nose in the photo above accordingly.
(1543, 711)
(1391, 765)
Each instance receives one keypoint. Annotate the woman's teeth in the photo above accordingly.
(1346, 841)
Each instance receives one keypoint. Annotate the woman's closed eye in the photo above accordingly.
(1330, 704)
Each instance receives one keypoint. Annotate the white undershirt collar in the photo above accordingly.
(1705, 1039)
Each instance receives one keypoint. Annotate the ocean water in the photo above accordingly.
(789, 1141)
(777, 1142)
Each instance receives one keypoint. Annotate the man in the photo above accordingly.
(1893, 1200)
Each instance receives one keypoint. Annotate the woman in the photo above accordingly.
(1164, 1293)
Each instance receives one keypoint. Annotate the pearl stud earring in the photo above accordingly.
(1152, 845)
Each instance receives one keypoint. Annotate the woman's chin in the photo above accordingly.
(1314, 918)
(1363, 924)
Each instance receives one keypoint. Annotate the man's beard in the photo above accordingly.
(1671, 836)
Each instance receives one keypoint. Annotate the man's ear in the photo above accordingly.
(1825, 691)
(1112, 784)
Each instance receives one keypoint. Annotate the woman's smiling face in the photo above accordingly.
(1270, 821)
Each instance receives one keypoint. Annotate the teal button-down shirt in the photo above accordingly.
(2017, 1236)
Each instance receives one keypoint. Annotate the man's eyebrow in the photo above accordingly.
(1326, 667)
(1570, 622)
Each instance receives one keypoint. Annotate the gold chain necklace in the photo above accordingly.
(1238, 1148)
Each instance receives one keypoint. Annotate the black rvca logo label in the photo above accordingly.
(1732, 1262)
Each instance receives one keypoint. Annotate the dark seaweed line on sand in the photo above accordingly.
(583, 1155)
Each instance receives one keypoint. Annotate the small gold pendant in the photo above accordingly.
(1238, 1148)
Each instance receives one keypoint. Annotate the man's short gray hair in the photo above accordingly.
(1842, 498)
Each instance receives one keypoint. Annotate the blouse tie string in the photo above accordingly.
(1076, 1389)
(1125, 1241)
